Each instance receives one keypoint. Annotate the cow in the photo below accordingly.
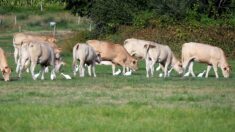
(138, 48)
(158, 53)
(204, 53)
(115, 53)
(18, 39)
(39, 52)
(86, 55)
(6, 70)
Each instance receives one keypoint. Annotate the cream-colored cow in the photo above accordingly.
(18, 39)
(115, 53)
(204, 53)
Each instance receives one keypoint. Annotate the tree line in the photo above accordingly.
(109, 14)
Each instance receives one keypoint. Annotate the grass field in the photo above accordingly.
(108, 103)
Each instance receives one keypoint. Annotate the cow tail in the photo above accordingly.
(125, 42)
(74, 57)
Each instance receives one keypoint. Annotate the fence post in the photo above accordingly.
(41, 6)
(90, 27)
(79, 20)
(54, 30)
(15, 19)
(19, 28)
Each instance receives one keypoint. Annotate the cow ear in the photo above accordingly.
(146, 46)
(98, 54)
(133, 54)
(3, 71)
(152, 46)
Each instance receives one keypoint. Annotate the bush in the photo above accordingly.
(78, 37)
(142, 19)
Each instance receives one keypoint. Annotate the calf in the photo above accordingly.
(86, 55)
(204, 53)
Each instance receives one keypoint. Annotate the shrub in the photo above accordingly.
(78, 37)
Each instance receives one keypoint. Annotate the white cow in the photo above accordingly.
(18, 39)
(139, 48)
(37, 52)
(204, 53)
(157, 53)
(86, 55)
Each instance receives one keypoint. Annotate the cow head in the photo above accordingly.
(57, 52)
(132, 63)
(98, 58)
(6, 72)
(226, 70)
(178, 67)
(58, 64)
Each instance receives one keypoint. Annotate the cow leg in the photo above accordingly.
(89, 70)
(215, 70)
(113, 69)
(16, 53)
(46, 69)
(42, 71)
(152, 66)
(185, 66)
(27, 65)
(123, 70)
(20, 66)
(93, 68)
(81, 68)
(166, 70)
(191, 69)
(147, 65)
(53, 75)
(208, 70)
(32, 68)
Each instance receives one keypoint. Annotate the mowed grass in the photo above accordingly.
(108, 103)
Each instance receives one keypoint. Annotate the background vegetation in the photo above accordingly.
(171, 22)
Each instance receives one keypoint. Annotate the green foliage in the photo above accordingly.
(142, 19)
(109, 15)
(78, 37)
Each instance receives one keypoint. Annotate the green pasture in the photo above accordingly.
(108, 103)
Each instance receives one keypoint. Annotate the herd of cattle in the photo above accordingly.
(30, 50)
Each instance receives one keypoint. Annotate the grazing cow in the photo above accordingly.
(157, 53)
(6, 71)
(204, 53)
(139, 48)
(86, 55)
(38, 52)
(114, 53)
(18, 39)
